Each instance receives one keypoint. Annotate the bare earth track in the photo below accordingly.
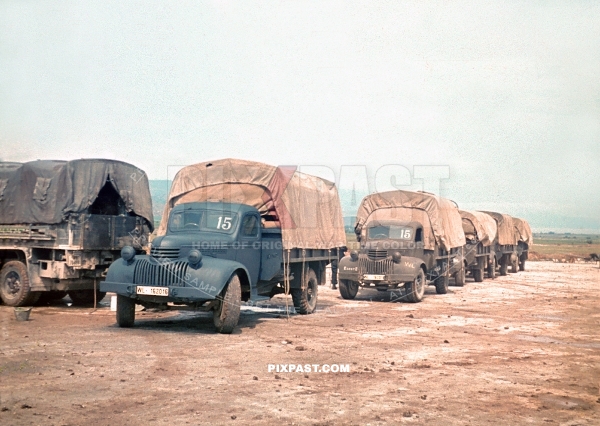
(520, 349)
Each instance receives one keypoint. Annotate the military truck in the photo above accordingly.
(480, 232)
(505, 245)
(62, 223)
(525, 239)
(407, 240)
(233, 231)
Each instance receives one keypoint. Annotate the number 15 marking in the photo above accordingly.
(224, 223)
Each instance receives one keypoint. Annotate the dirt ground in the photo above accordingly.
(520, 349)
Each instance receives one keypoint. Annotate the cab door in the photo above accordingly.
(249, 247)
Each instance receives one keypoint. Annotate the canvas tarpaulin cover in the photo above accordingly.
(47, 191)
(443, 217)
(307, 208)
(506, 231)
(482, 224)
(524, 230)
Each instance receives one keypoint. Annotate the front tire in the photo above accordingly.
(227, 313)
(125, 311)
(305, 298)
(348, 289)
(441, 284)
(460, 278)
(15, 289)
(415, 290)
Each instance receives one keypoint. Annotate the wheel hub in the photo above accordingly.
(13, 282)
(309, 291)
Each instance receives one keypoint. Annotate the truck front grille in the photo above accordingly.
(165, 253)
(377, 254)
(162, 274)
(368, 266)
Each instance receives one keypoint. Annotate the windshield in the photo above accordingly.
(391, 232)
(202, 220)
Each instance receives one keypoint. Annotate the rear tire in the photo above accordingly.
(415, 290)
(491, 270)
(227, 313)
(522, 265)
(348, 289)
(14, 285)
(85, 297)
(503, 266)
(478, 275)
(125, 311)
(305, 298)
(441, 284)
(514, 265)
(460, 277)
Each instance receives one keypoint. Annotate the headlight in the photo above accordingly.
(354, 255)
(396, 257)
(194, 257)
(128, 253)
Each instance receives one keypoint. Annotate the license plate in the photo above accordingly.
(374, 277)
(152, 291)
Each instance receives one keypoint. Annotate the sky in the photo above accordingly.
(493, 104)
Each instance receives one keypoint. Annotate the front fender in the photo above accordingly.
(348, 269)
(212, 276)
(408, 268)
(122, 271)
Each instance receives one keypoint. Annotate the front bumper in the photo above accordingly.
(383, 272)
(176, 294)
(391, 279)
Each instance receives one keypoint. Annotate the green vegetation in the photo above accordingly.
(559, 245)
(351, 241)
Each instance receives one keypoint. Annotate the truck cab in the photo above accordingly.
(229, 232)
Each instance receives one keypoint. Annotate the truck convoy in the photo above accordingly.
(505, 245)
(233, 231)
(480, 232)
(407, 240)
(62, 223)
